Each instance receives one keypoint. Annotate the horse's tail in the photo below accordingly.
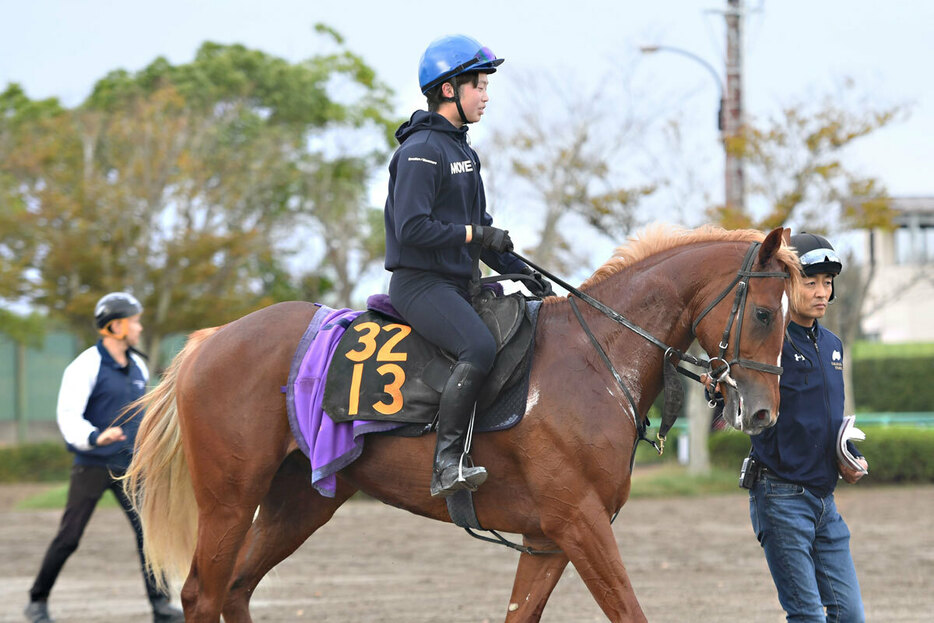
(158, 481)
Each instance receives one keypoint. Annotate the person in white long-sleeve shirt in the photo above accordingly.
(95, 389)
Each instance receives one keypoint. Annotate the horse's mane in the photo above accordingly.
(657, 238)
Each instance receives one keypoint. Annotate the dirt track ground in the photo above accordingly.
(690, 560)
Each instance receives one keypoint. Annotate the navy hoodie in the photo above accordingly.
(434, 191)
(801, 446)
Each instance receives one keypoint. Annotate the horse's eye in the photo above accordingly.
(764, 316)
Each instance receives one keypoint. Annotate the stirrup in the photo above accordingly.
(468, 477)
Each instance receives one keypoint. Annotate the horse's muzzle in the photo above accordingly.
(747, 411)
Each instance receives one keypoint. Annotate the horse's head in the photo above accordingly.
(742, 327)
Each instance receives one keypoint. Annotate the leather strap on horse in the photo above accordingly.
(640, 424)
(674, 392)
(461, 510)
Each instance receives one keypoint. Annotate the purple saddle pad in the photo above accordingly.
(380, 303)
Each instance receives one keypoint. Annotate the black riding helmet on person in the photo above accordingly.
(112, 317)
(817, 256)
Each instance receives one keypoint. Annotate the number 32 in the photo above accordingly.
(367, 339)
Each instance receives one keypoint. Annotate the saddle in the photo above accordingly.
(382, 370)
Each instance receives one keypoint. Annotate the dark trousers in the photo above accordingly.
(88, 484)
(437, 308)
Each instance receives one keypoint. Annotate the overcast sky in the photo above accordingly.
(794, 50)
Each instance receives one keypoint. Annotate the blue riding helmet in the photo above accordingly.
(452, 56)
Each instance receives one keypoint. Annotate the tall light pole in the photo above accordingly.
(651, 49)
(733, 115)
(729, 122)
(730, 114)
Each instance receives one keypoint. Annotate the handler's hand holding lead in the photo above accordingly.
(492, 238)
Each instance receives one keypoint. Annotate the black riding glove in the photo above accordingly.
(537, 285)
(492, 238)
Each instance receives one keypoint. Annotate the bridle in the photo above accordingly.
(673, 391)
(740, 282)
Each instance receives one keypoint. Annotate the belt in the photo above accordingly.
(765, 471)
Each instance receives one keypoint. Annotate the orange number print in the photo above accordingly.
(393, 389)
(354, 405)
(385, 353)
(368, 341)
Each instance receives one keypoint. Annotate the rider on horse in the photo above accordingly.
(436, 226)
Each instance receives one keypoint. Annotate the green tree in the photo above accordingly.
(795, 168)
(185, 183)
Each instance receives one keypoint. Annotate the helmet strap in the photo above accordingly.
(460, 110)
(456, 99)
(119, 333)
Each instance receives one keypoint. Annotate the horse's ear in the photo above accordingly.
(771, 244)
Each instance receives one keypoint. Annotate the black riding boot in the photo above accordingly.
(457, 404)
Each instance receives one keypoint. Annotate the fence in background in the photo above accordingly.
(30, 379)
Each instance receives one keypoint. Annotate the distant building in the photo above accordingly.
(899, 305)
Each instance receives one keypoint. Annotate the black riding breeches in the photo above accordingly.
(88, 484)
(437, 308)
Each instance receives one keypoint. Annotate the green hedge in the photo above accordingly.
(896, 454)
(36, 462)
(894, 384)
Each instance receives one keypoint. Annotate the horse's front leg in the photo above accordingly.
(582, 529)
(536, 577)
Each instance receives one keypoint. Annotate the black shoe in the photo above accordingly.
(164, 612)
(452, 479)
(38, 612)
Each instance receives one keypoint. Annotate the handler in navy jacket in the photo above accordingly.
(95, 388)
(791, 505)
(436, 226)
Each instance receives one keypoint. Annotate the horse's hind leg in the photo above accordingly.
(228, 487)
(536, 577)
(288, 515)
(221, 528)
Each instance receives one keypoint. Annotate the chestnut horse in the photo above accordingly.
(224, 493)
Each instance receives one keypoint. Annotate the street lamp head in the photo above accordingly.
(655, 47)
